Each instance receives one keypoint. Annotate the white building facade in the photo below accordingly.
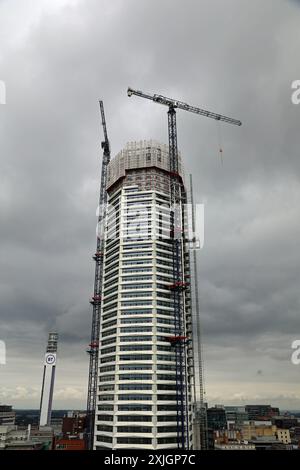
(136, 390)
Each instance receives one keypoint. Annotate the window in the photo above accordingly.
(133, 262)
(136, 286)
(130, 429)
(167, 429)
(107, 359)
(137, 294)
(105, 407)
(131, 189)
(135, 367)
(138, 196)
(162, 329)
(161, 357)
(115, 198)
(135, 329)
(161, 347)
(167, 418)
(134, 440)
(105, 428)
(164, 295)
(136, 270)
(138, 254)
(109, 276)
(110, 306)
(164, 247)
(164, 303)
(104, 438)
(163, 286)
(105, 417)
(108, 324)
(132, 303)
(137, 311)
(111, 283)
(135, 376)
(108, 350)
(106, 378)
(109, 315)
(109, 332)
(164, 278)
(105, 397)
(166, 407)
(136, 357)
(107, 368)
(111, 260)
(162, 338)
(164, 311)
(136, 397)
(135, 223)
(165, 321)
(166, 387)
(110, 253)
(163, 270)
(110, 291)
(136, 246)
(164, 255)
(108, 341)
(166, 377)
(110, 298)
(167, 397)
(139, 203)
(135, 386)
(136, 347)
(127, 339)
(135, 418)
(136, 320)
(167, 440)
(139, 277)
(106, 387)
(134, 407)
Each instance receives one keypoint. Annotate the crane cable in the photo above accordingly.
(220, 140)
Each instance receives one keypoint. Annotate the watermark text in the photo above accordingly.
(2, 92)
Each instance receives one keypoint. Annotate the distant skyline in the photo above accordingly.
(237, 58)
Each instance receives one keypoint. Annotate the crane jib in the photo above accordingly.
(181, 105)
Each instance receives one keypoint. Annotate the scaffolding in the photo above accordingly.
(176, 232)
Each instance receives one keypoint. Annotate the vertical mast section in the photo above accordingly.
(178, 281)
(96, 300)
(200, 408)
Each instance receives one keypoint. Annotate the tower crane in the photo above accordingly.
(93, 350)
(179, 340)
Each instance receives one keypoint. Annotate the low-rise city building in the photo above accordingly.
(7, 415)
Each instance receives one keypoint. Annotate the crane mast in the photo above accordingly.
(177, 238)
(96, 300)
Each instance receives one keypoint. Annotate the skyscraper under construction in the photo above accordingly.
(145, 383)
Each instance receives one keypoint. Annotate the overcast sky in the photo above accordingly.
(235, 57)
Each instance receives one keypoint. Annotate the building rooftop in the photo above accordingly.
(140, 154)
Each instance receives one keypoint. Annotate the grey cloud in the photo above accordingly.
(237, 58)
